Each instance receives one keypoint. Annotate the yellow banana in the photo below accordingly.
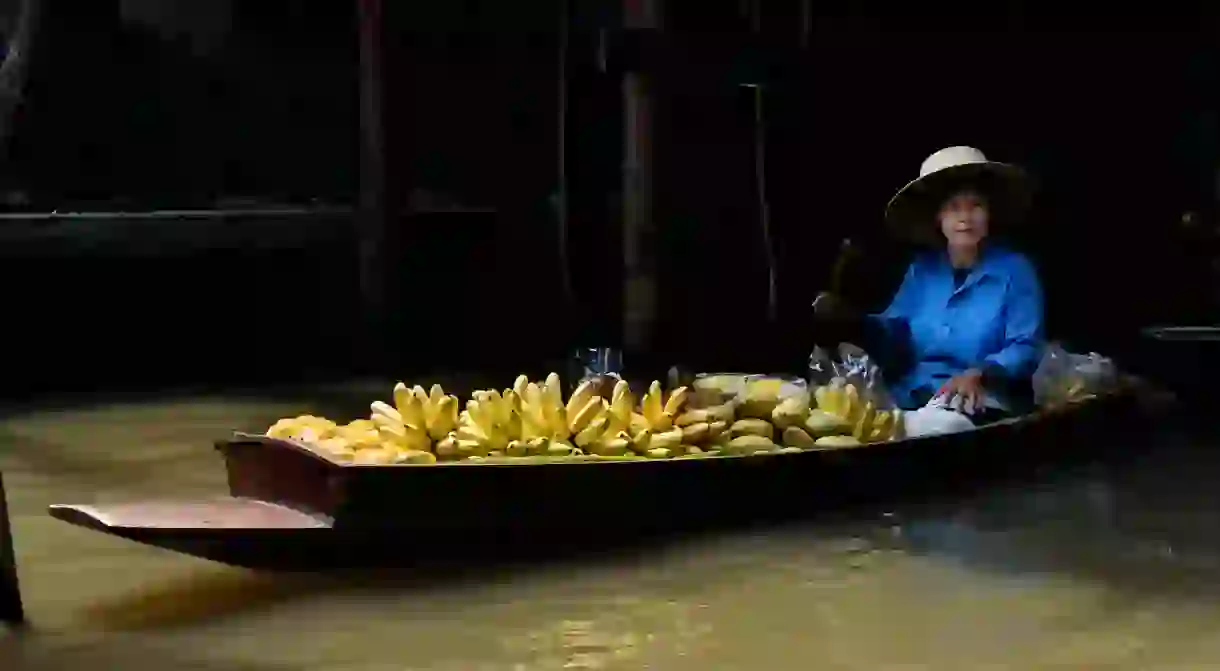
(446, 448)
(383, 409)
(425, 402)
(864, 423)
(579, 400)
(621, 401)
(695, 433)
(796, 437)
(580, 418)
(591, 433)
(666, 439)
(638, 422)
(641, 441)
(650, 406)
(677, 399)
(791, 411)
(750, 444)
(753, 427)
(444, 418)
(833, 442)
(610, 447)
(415, 457)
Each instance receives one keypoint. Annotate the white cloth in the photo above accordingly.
(957, 403)
(943, 414)
(934, 421)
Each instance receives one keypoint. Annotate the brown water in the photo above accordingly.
(1112, 567)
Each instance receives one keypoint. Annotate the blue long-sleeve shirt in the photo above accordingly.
(939, 328)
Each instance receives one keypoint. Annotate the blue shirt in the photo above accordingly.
(991, 320)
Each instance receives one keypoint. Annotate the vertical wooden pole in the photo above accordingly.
(639, 229)
(374, 212)
(561, 191)
(10, 594)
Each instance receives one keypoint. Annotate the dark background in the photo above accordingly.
(139, 106)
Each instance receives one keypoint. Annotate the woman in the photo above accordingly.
(966, 323)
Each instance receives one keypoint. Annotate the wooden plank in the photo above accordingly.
(11, 610)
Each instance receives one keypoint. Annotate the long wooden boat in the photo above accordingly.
(290, 509)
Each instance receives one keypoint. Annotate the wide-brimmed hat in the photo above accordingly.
(911, 213)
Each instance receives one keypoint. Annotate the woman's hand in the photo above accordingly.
(967, 386)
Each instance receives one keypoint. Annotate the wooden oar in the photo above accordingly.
(840, 267)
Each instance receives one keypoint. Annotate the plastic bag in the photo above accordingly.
(761, 394)
(712, 389)
(853, 366)
(599, 361)
(1064, 377)
(603, 364)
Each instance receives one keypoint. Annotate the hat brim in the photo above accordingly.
(911, 213)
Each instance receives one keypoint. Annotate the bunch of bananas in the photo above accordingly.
(840, 419)
(867, 423)
(399, 433)
(533, 420)
(527, 420)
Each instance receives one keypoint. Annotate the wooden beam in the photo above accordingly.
(373, 218)
(11, 611)
(639, 230)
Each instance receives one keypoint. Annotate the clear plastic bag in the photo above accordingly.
(603, 364)
(853, 366)
(712, 389)
(761, 394)
(598, 362)
(1064, 377)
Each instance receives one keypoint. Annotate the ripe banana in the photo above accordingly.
(792, 411)
(834, 442)
(750, 444)
(529, 420)
(841, 411)
(796, 437)
(724, 412)
(753, 427)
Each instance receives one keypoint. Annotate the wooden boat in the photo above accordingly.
(290, 509)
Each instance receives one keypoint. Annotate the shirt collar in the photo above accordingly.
(984, 267)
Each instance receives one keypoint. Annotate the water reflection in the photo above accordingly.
(1108, 566)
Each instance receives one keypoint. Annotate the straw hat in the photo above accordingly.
(911, 212)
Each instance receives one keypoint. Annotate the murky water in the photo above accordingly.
(1112, 567)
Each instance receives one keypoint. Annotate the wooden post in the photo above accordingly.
(639, 230)
(11, 611)
(374, 214)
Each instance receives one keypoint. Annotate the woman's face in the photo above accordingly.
(963, 219)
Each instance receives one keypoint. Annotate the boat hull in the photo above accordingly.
(290, 509)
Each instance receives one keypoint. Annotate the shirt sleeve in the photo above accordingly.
(1023, 313)
(888, 333)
